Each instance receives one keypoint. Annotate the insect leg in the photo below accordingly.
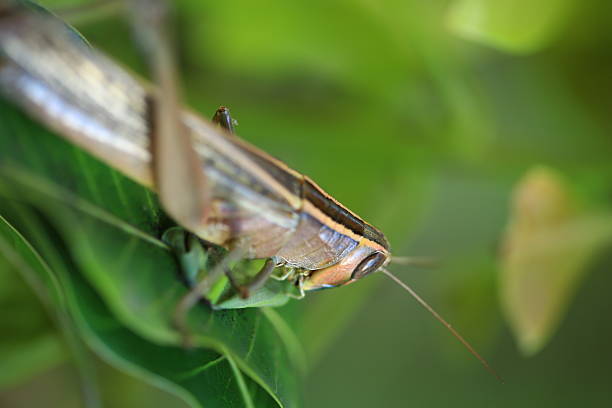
(178, 171)
(262, 276)
(258, 281)
(223, 118)
(300, 284)
(239, 288)
(289, 272)
(198, 291)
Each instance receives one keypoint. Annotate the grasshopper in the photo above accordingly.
(215, 185)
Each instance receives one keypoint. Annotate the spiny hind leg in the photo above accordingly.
(178, 170)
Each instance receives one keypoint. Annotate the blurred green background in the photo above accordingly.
(423, 117)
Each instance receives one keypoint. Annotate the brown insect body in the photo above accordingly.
(252, 201)
(256, 201)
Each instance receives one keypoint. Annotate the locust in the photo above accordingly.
(220, 188)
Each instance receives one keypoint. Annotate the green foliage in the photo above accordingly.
(30, 345)
(397, 110)
(119, 282)
(516, 26)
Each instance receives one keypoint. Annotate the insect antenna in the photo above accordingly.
(444, 322)
(422, 261)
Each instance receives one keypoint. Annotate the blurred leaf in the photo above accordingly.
(114, 246)
(21, 360)
(548, 246)
(518, 26)
(16, 253)
(29, 344)
(201, 377)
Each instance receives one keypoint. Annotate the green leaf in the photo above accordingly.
(518, 26)
(201, 377)
(548, 247)
(114, 247)
(30, 344)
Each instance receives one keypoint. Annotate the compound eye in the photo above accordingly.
(369, 265)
